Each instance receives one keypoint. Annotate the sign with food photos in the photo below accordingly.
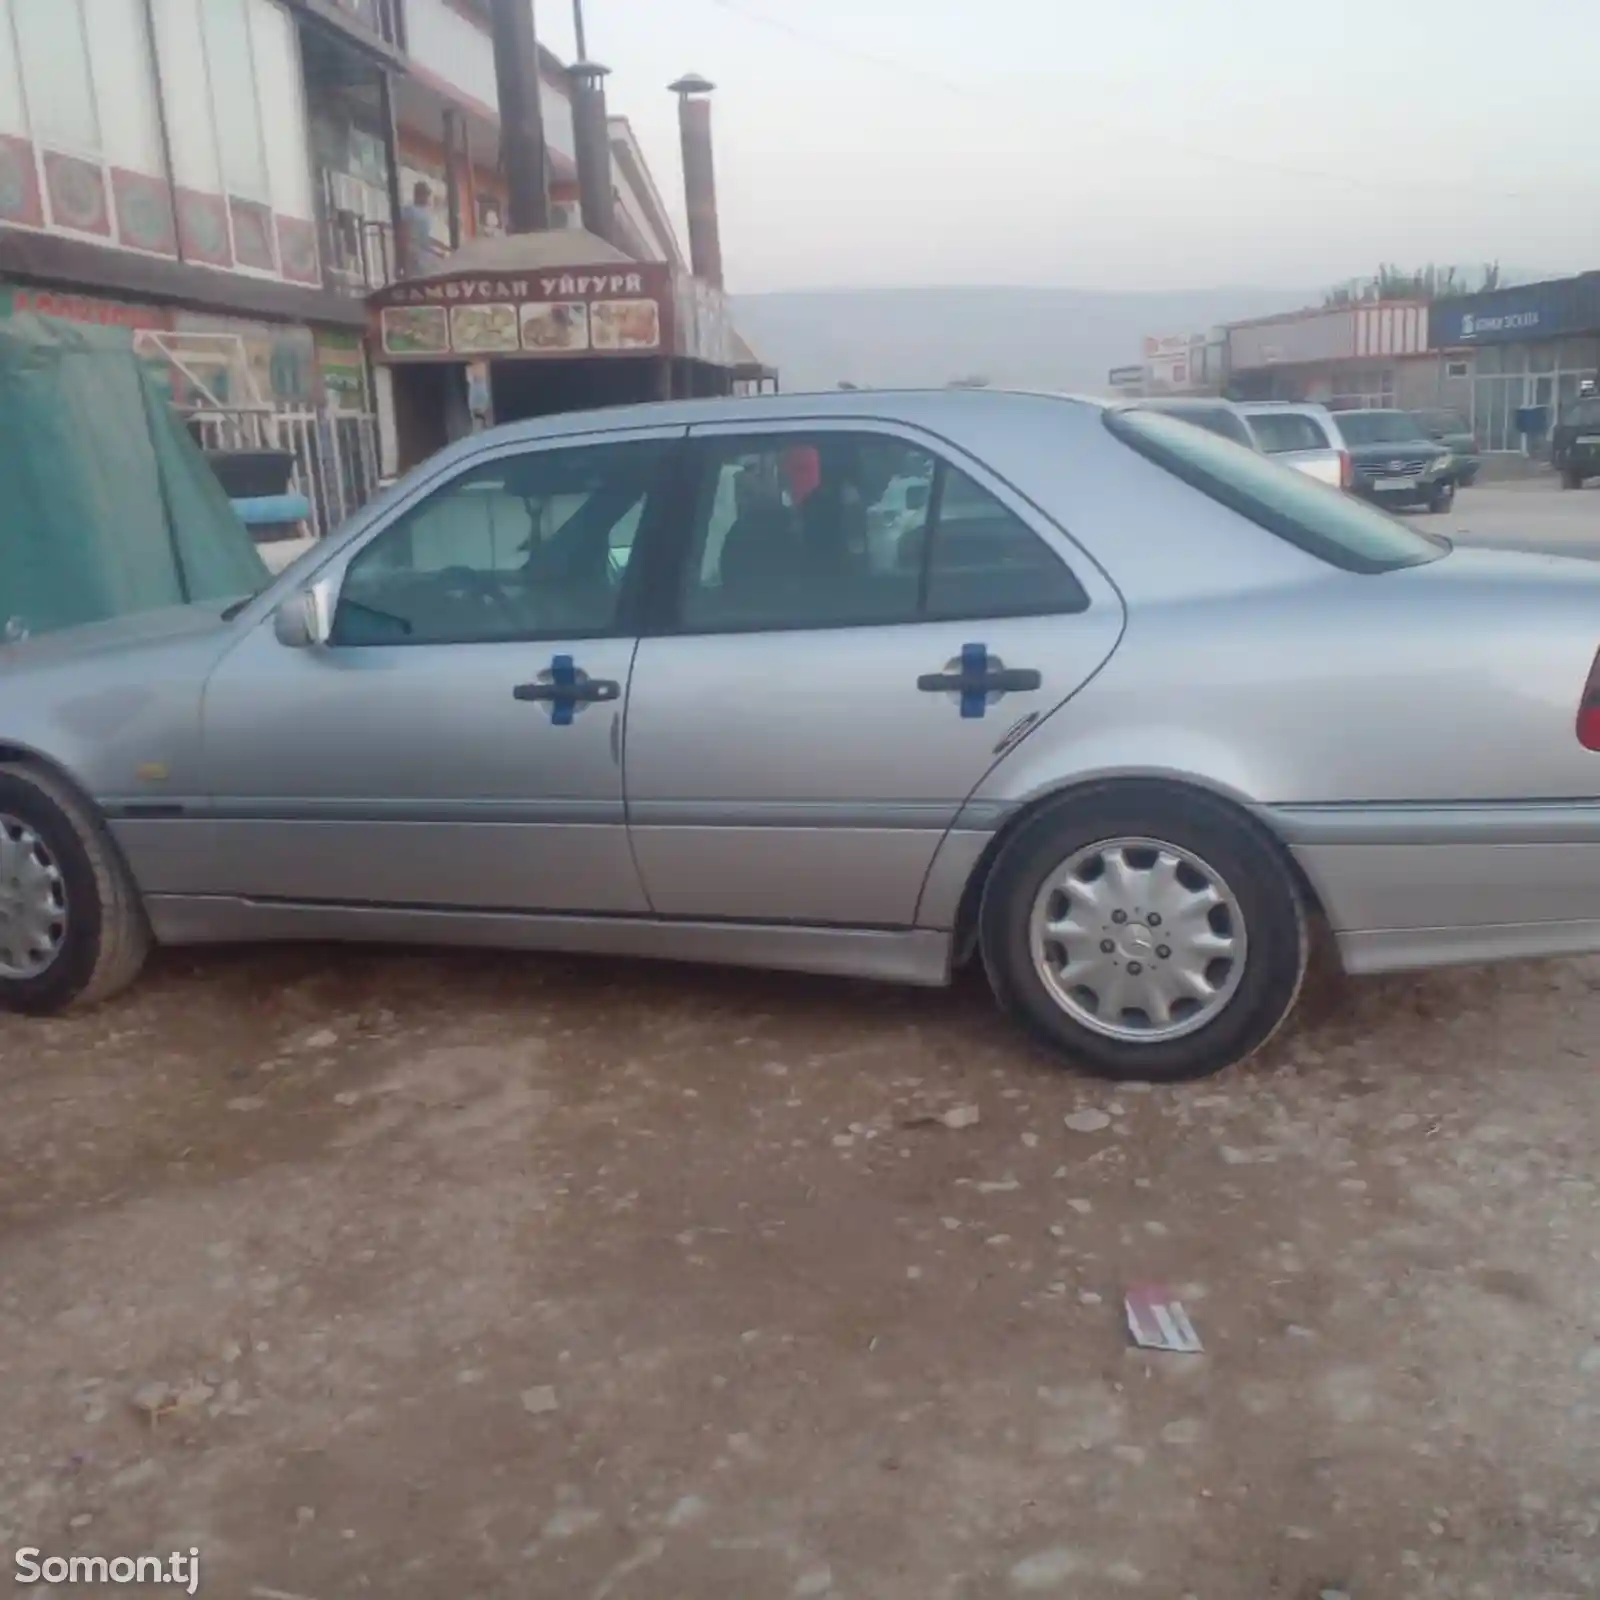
(610, 309)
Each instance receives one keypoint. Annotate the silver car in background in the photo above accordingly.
(1301, 435)
(1112, 708)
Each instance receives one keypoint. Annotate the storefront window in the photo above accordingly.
(234, 100)
(54, 50)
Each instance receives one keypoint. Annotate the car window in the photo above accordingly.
(1380, 427)
(1223, 421)
(1277, 431)
(521, 547)
(836, 529)
(1336, 528)
(1585, 414)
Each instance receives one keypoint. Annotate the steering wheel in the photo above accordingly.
(461, 581)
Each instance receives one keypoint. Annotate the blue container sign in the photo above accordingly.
(1527, 313)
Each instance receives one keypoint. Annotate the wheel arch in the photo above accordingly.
(13, 754)
(964, 940)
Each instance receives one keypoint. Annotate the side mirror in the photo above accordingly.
(305, 620)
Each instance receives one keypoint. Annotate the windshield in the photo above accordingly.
(1380, 427)
(1324, 522)
(1585, 414)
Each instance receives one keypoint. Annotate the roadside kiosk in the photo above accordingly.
(532, 324)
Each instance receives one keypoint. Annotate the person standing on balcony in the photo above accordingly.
(416, 223)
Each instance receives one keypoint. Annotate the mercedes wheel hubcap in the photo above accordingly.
(1137, 939)
(33, 902)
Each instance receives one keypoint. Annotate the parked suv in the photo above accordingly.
(1450, 429)
(1301, 436)
(1393, 461)
(1575, 444)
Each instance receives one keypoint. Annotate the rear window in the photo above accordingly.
(1220, 420)
(1277, 432)
(1334, 527)
(1585, 414)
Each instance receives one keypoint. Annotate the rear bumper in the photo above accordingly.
(1417, 886)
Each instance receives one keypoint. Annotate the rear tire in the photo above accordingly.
(1225, 957)
(72, 929)
(1571, 479)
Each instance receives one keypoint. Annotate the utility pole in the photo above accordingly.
(522, 148)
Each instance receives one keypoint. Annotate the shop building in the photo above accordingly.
(231, 179)
(1346, 358)
(1511, 359)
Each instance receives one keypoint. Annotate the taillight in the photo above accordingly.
(1347, 473)
(1589, 709)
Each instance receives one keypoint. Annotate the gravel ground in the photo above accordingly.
(419, 1275)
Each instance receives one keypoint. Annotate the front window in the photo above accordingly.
(522, 547)
(1325, 523)
(1380, 427)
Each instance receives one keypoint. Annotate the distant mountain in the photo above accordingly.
(1023, 338)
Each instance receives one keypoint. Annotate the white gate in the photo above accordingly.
(335, 452)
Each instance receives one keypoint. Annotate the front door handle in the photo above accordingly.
(565, 686)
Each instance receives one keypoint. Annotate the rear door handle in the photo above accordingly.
(1007, 680)
(570, 693)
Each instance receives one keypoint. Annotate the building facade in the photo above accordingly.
(230, 179)
(1345, 357)
(1511, 359)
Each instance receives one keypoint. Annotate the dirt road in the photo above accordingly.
(427, 1276)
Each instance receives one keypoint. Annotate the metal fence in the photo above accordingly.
(336, 461)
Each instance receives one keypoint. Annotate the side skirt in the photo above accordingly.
(919, 956)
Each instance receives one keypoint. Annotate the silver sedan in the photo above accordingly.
(862, 683)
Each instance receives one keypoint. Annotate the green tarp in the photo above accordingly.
(107, 506)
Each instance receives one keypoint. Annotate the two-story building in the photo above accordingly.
(228, 179)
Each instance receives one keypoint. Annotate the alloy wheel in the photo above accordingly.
(1138, 940)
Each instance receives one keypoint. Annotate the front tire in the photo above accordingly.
(1442, 498)
(1571, 478)
(72, 930)
(1149, 932)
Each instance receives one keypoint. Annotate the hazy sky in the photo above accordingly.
(1122, 143)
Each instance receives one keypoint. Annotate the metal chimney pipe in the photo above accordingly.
(592, 136)
(699, 177)
(522, 148)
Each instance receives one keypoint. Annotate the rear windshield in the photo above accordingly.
(1278, 431)
(1325, 523)
(1221, 420)
(1585, 414)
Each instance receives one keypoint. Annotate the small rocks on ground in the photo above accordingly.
(1087, 1121)
(959, 1117)
(539, 1400)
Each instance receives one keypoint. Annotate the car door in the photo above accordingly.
(457, 743)
(838, 665)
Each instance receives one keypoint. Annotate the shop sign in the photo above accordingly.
(18, 300)
(599, 310)
(1530, 311)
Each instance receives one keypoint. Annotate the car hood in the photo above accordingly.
(1408, 450)
(116, 633)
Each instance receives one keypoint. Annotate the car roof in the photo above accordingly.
(892, 405)
(1253, 408)
(1179, 402)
